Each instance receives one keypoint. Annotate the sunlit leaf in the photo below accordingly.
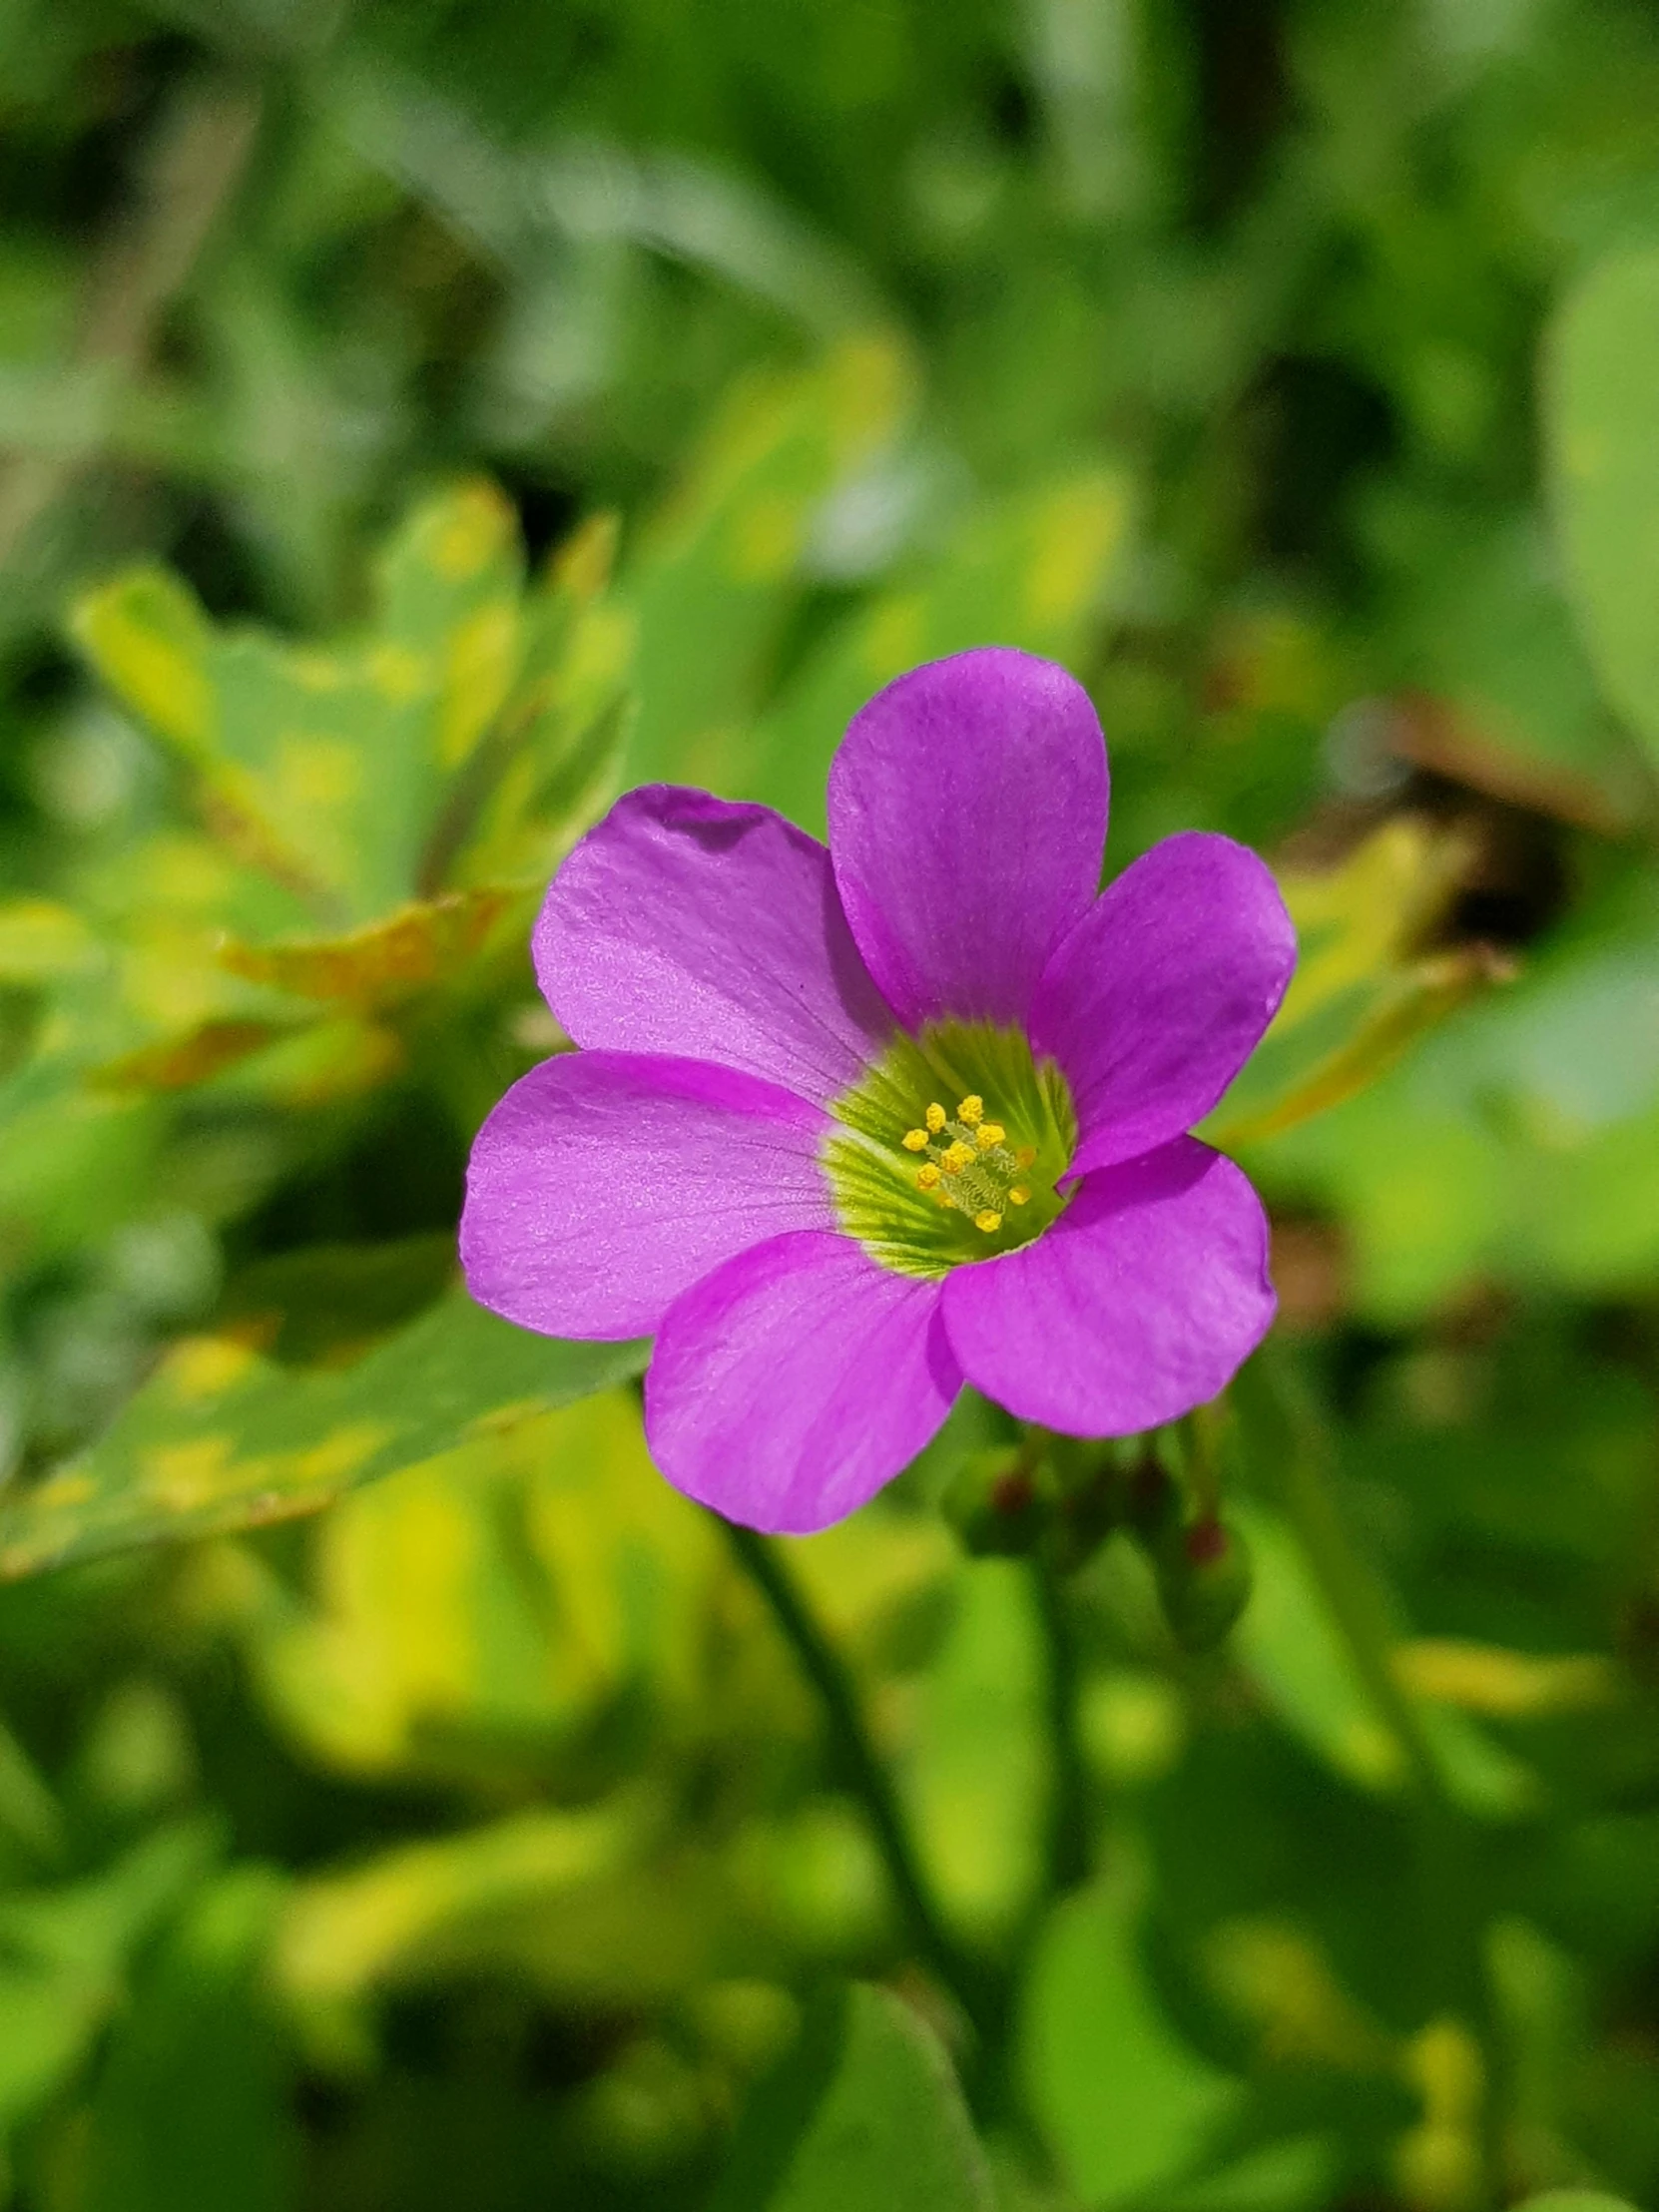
(1363, 991)
(223, 1438)
(382, 810)
(41, 941)
(404, 1912)
(865, 2111)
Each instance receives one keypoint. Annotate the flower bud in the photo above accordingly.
(1000, 1502)
(1204, 1581)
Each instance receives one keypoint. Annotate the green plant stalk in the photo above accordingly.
(969, 1984)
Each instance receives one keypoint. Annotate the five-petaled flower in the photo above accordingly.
(852, 1126)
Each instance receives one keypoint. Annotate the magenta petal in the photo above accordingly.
(1160, 994)
(605, 1183)
(793, 1383)
(1140, 1303)
(684, 924)
(967, 820)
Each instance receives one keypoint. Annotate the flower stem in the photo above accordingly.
(761, 1560)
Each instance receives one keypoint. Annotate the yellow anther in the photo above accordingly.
(915, 1140)
(955, 1156)
(1026, 1156)
(987, 1221)
(972, 1110)
(926, 1177)
(990, 1136)
(1018, 1194)
(934, 1118)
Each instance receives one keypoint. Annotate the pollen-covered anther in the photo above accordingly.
(1026, 1156)
(956, 1156)
(1020, 1195)
(936, 1118)
(988, 1221)
(928, 1177)
(990, 1135)
(914, 1140)
(972, 1110)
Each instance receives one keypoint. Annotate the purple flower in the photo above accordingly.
(850, 1127)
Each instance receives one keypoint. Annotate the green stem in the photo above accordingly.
(1069, 1857)
(864, 1774)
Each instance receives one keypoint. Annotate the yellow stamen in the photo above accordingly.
(987, 1221)
(914, 1140)
(926, 1177)
(972, 1110)
(1018, 1194)
(956, 1157)
(990, 1136)
(1026, 1156)
(934, 1118)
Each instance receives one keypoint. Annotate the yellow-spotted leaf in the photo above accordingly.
(1364, 989)
(379, 813)
(1031, 571)
(222, 1437)
(354, 772)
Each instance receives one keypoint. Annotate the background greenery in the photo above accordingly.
(419, 420)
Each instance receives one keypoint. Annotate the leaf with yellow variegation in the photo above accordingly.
(223, 1439)
(380, 812)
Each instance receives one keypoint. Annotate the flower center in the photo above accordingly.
(924, 1190)
(970, 1165)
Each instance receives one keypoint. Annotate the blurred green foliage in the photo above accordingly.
(419, 422)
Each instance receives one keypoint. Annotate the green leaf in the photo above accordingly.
(1603, 423)
(191, 2111)
(223, 1439)
(1576, 2200)
(63, 1957)
(1503, 697)
(1125, 2104)
(721, 562)
(976, 1779)
(1031, 571)
(865, 2111)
